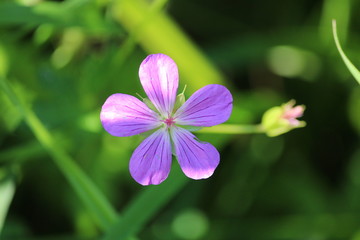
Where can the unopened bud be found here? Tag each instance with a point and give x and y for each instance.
(281, 119)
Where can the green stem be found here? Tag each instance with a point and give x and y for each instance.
(354, 71)
(91, 196)
(232, 129)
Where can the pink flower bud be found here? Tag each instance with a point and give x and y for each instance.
(291, 113)
(282, 119)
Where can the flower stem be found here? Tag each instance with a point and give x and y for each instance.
(232, 129)
(353, 70)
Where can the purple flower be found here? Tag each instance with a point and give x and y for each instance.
(124, 115)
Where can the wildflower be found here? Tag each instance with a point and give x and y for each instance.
(281, 119)
(124, 115)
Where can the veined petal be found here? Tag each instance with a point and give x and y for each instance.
(209, 106)
(197, 160)
(159, 77)
(151, 161)
(124, 115)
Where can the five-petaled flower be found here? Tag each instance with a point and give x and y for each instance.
(124, 115)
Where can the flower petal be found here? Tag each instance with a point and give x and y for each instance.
(151, 161)
(198, 160)
(209, 106)
(159, 77)
(124, 115)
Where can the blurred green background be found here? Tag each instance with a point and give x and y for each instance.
(60, 60)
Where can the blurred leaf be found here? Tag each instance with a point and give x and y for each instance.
(130, 43)
(7, 190)
(22, 152)
(354, 108)
(161, 34)
(146, 205)
(335, 9)
(11, 117)
(58, 14)
(354, 71)
(15, 13)
(91, 196)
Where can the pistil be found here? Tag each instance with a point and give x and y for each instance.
(169, 121)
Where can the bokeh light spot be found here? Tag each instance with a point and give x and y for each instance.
(90, 122)
(288, 61)
(43, 33)
(191, 224)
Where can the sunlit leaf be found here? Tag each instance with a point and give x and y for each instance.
(7, 190)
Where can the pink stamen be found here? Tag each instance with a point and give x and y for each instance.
(169, 122)
(291, 113)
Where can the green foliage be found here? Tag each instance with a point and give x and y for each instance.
(86, 190)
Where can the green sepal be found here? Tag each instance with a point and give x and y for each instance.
(150, 104)
(180, 100)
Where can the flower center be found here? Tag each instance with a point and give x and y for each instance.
(169, 121)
